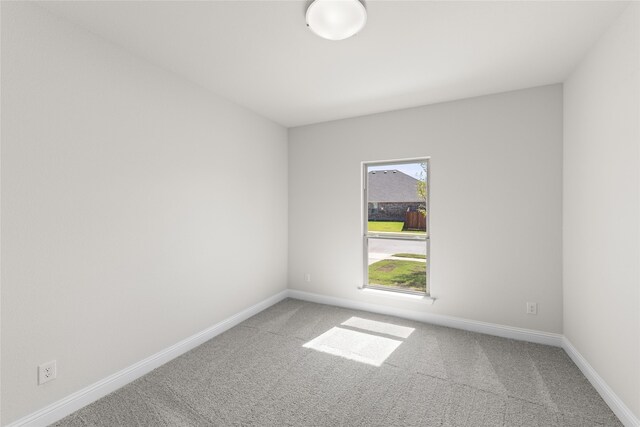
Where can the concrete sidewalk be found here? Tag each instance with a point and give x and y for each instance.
(380, 249)
(375, 257)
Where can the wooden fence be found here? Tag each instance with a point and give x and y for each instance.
(415, 221)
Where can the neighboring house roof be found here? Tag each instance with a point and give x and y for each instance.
(392, 186)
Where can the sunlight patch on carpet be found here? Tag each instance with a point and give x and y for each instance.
(354, 345)
(379, 327)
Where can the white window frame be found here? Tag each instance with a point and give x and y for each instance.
(366, 234)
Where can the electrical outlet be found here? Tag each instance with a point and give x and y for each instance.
(307, 277)
(47, 372)
(532, 308)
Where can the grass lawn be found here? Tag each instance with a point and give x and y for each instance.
(400, 274)
(390, 227)
(416, 256)
(395, 227)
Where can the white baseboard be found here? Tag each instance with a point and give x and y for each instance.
(87, 395)
(618, 407)
(436, 319)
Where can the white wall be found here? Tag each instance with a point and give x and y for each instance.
(602, 209)
(136, 208)
(496, 196)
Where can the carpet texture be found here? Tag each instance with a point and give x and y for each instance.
(261, 373)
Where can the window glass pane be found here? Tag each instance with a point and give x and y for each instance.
(396, 198)
(397, 218)
(399, 264)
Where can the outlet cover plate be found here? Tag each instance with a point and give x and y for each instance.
(47, 372)
(532, 308)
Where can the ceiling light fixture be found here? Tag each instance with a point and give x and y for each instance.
(336, 19)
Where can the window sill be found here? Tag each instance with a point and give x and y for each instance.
(397, 295)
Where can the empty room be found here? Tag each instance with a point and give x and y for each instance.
(320, 213)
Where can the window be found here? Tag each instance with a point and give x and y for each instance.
(396, 225)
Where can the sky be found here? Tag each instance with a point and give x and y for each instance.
(412, 169)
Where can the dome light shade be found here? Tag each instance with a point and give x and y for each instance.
(336, 19)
